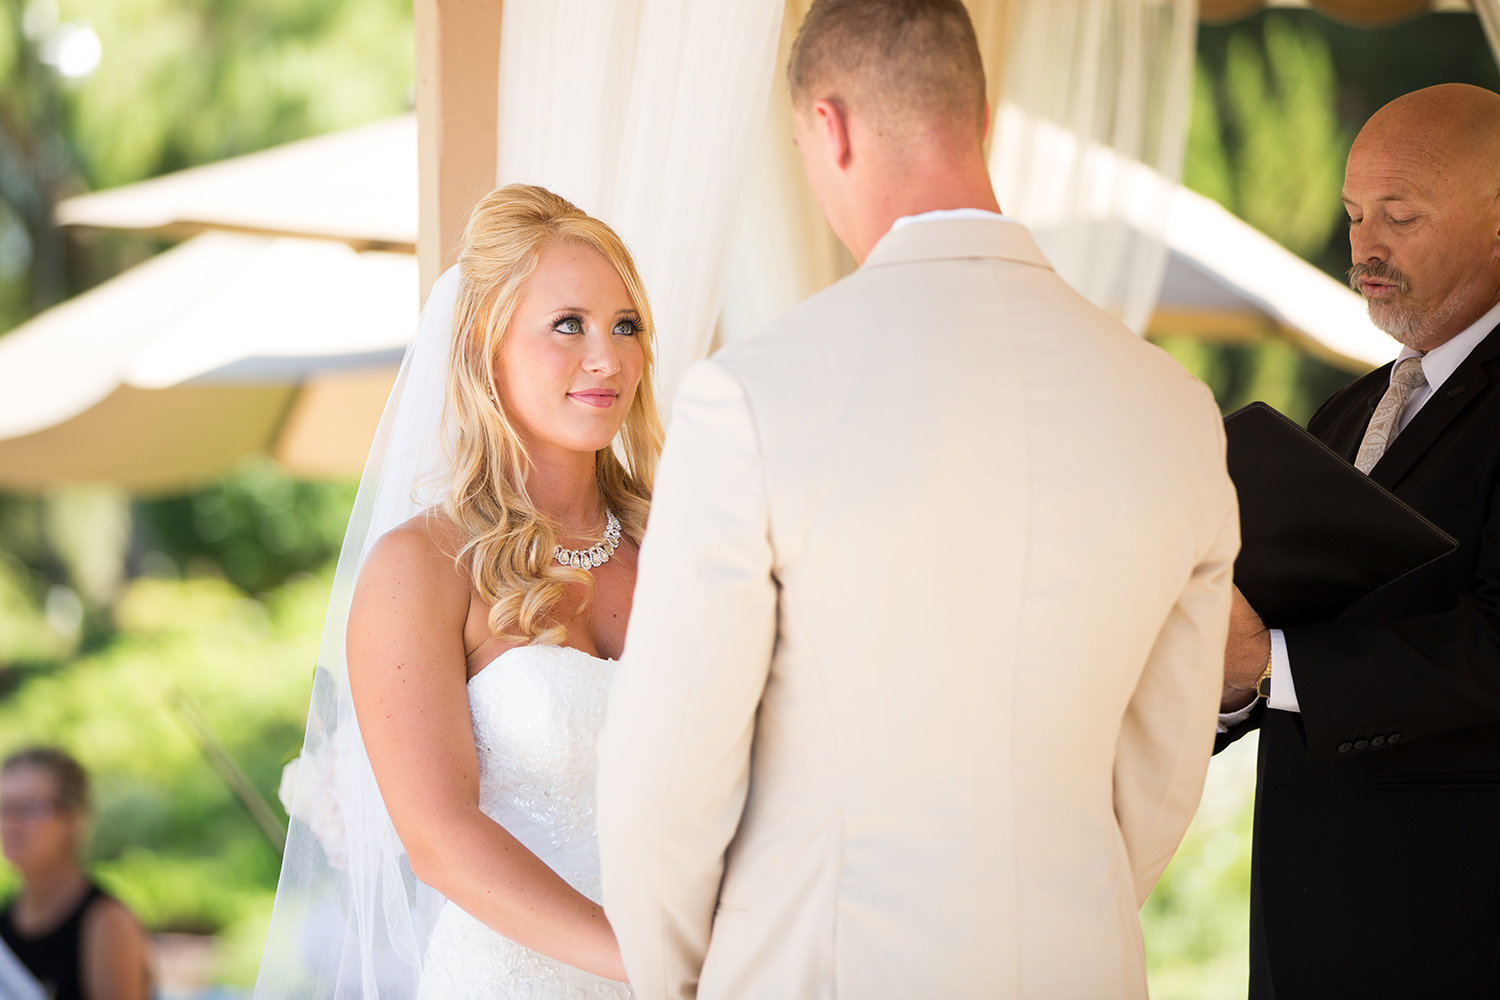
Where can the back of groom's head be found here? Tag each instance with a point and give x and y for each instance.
(889, 113)
(907, 64)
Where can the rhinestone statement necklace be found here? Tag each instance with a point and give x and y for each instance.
(597, 555)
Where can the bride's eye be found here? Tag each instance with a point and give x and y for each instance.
(568, 324)
(627, 328)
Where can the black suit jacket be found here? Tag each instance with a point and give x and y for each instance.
(1376, 865)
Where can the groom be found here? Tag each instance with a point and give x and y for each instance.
(923, 669)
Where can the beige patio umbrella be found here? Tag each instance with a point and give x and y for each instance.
(225, 346)
(356, 186)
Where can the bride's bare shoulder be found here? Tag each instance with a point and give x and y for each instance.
(410, 600)
(422, 552)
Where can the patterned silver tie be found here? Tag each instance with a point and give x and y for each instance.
(1407, 378)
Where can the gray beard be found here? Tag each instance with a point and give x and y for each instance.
(1411, 328)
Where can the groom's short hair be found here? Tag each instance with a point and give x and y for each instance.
(905, 61)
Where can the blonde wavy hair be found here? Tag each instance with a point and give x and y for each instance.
(510, 543)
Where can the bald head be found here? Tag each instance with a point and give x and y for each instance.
(1451, 131)
(1422, 189)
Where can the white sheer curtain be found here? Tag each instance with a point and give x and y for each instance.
(1489, 18)
(644, 113)
(1091, 90)
(1092, 100)
(783, 250)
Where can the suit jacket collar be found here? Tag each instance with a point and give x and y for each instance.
(1455, 395)
(951, 239)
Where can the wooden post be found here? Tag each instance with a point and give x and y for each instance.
(458, 81)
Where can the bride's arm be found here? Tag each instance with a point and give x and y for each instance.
(407, 676)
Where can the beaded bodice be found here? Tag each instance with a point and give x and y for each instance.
(536, 713)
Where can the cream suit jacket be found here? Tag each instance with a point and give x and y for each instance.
(922, 674)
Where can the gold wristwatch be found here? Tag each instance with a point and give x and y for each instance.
(1263, 686)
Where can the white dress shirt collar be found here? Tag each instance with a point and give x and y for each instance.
(1441, 361)
(943, 214)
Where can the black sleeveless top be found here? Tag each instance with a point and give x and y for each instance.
(52, 958)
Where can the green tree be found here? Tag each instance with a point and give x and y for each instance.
(176, 83)
(1288, 147)
(1265, 141)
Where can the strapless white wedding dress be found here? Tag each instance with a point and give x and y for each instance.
(536, 712)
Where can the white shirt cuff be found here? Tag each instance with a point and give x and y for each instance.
(1228, 720)
(1283, 691)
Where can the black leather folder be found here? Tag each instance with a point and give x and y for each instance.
(1316, 534)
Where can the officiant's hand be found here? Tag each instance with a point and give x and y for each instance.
(1245, 655)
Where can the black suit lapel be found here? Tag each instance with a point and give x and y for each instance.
(1348, 430)
(1456, 394)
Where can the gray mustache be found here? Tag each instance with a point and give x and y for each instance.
(1378, 272)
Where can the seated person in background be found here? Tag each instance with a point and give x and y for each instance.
(77, 940)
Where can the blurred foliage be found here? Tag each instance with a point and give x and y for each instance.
(257, 526)
(25, 634)
(1272, 370)
(1196, 922)
(67, 554)
(1265, 139)
(187, 81)
(168, 835)
(177, 83)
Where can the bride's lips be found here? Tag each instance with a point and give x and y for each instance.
(600, 398)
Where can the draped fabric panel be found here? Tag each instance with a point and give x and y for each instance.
(1489, 18)
(784, 251)
(1091, 91)
(644, 113)
(1092, 100)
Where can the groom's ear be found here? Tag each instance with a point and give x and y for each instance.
(832, 120)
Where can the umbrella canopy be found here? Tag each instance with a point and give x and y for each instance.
(1226, 277)
(224, 346)
(357, 186)
(1223, 276)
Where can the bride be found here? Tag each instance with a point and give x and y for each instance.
(496, 560)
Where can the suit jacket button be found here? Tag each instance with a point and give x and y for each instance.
(1394, 737)
(1378, 741)
(1345, 747)
(1361, 744)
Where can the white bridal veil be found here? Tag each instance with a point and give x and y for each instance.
(350, 918)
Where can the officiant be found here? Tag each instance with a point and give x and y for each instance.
(1376, 868)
